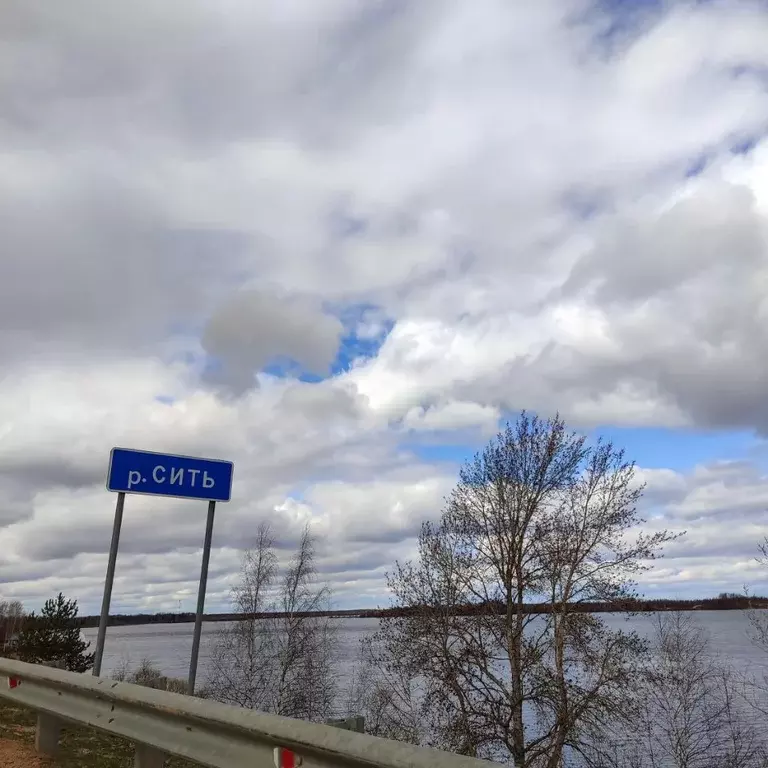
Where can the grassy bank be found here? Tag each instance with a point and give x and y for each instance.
(80, 747)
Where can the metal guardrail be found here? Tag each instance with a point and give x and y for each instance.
(208, 733)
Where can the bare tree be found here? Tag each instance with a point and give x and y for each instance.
(242, 660)
(305, 643)
(758, 617)
(537, 516)
(11, 621)
(756, 678)
(689, 710)
(279, 657)
(386, 694)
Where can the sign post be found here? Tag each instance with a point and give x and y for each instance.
(108, 583)
(160, 474)
(201, 598)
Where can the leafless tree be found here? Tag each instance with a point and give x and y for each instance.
(305, 643)
(756, 678)
(122, 670)
(541, 516)
(279, 657)
(758, 617)
(243, 655)
(11, 621)
(689, 709)
(387, 696)
(150, 676)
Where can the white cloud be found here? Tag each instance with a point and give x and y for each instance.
(453, 415)
(255, 328)
(494, 192)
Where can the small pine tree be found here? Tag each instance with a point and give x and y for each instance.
(54, 636)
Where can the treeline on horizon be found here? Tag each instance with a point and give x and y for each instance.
(724, 602)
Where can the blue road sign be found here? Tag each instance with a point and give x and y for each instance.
(160, 474)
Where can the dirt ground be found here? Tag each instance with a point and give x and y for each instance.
(80, 747)
(15, 754)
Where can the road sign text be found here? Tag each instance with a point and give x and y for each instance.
(159, 474)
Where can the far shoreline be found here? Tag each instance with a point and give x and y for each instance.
(722, 603)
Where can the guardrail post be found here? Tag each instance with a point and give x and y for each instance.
(356, 723)
(148, 757)
(47, 734)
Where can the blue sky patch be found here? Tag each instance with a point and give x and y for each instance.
(436, 453)
(649, 447)
(354, 346)
(679, 449)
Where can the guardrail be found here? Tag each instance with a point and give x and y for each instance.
(215, 735)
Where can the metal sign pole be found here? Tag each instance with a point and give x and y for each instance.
(101, 637)
(160, 474)
(201, 598)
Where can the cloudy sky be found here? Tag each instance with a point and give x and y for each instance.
(339, 242)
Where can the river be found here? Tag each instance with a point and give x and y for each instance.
(169, 646)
